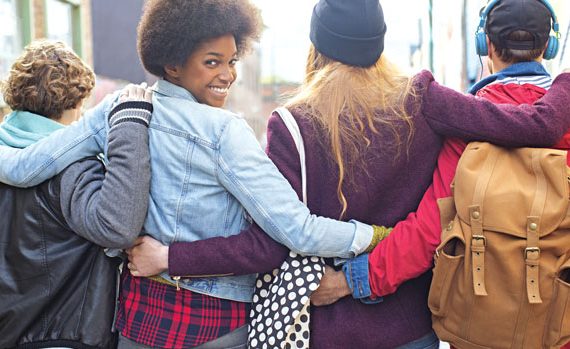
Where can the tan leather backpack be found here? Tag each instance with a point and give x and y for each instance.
(502, 271)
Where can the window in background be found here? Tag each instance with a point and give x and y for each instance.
(10, 35)
(15, 32)
(63, 22)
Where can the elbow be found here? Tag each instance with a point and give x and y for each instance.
(309, 247)
(118, 233)
(121, 239)
(10, 175)
(129, 231)
(302, 245)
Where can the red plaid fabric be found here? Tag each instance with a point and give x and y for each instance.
(156, 315)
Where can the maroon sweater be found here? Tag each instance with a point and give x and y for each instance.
(392, 189)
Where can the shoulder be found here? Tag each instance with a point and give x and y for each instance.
(423, 84)
(422, 81)
(281, 145)
(277, 131)
(512, 93)
(177, 107)
(275, 123)
(217, 114)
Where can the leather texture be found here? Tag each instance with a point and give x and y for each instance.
(502, 272)
(57, 289)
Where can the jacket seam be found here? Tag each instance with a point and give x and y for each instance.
(182, 134)
(184, 192)
(45, 261)
(61, 152)
(85, 284)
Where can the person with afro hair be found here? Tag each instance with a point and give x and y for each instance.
(193, 46)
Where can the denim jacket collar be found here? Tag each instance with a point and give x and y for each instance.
(169, 89)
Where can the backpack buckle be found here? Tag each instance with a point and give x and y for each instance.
(531, 250)
(478, 238)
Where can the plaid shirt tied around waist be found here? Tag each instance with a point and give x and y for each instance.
(157, 315)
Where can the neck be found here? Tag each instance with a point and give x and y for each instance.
(69, 116)
(497, 65)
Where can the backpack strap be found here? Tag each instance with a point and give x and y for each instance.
(293, 128)
(478, 241)
(532, 250)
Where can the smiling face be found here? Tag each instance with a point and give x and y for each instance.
(209, 71)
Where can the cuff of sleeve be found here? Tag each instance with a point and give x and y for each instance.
(356, 273)
(339, 261)
(363, 235)
(133, 111)
(174, 254)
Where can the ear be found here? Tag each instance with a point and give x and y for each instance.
(172, 70)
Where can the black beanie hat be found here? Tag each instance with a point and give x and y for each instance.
(349, 31)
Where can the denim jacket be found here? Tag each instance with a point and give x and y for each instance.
(209, 174)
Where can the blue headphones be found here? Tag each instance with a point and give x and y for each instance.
(481, 36)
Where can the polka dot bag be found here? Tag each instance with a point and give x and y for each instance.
(280, 312)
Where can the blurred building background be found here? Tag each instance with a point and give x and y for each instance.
(447, 44)
(422, 34)
(103, 33)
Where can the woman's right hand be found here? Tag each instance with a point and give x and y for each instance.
(133, 92)
(147, 257)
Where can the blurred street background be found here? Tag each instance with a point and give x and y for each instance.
(422, 34)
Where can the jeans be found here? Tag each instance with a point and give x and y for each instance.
(429, 341)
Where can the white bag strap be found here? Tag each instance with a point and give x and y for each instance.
(293, 128)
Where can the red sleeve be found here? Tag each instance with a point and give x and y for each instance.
(408, 251)
(250, 251)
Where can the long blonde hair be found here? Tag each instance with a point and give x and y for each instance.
(345, 100)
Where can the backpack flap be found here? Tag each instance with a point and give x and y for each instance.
(520, 185)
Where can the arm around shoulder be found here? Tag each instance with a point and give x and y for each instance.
(109, 209)
(46, 158)
(454, 114)
(247, 173)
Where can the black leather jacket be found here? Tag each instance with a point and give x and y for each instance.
(56, 288)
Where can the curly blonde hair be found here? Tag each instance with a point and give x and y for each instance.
(47, 79)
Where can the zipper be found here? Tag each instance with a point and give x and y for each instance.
(177, 282)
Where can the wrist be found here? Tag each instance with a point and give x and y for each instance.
(356, 276)
(343, 289)
(164, 258)
(380, 233)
